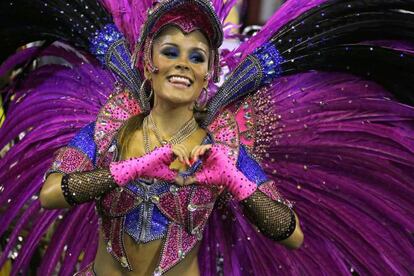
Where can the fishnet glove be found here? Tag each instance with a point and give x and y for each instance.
(82, 187)
(274, 219)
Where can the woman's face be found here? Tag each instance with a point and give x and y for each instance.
(182, 60)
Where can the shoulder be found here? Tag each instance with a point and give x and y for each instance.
(84, 141)
(248, 165)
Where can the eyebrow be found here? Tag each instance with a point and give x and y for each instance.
(175, 45)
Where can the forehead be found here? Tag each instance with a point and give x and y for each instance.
(172, 34)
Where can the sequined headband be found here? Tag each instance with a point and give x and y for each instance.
(187, 15)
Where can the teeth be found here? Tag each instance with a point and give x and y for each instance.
(178, 79)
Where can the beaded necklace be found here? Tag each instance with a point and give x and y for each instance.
(182, 134)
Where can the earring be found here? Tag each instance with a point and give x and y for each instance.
(142, 93)
(203, 99)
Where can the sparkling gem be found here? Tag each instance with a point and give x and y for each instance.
(249, 124)
(173, 189)
(124, 262)
(155, 199)
(158, 271)
(191, 207)
(247, 115)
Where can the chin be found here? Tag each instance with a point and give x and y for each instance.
(177, 100)
(177, 96)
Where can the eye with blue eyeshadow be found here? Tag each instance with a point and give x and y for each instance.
(170, 52)
(197, 57)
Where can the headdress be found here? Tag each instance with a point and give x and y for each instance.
(188, 16)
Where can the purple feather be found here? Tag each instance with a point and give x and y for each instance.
(49, 107)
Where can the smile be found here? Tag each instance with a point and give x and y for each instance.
(180, 80)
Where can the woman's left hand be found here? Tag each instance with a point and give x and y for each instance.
(195, 155)
(219, 170)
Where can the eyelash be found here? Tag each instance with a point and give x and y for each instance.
(173, 53)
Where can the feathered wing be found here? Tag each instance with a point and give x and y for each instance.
(331, 121)
(48, 107)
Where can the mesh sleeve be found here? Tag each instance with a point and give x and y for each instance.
(80, 187)
(275, 219)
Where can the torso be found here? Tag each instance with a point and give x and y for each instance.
(144, 256)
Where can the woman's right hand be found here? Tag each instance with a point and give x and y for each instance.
(153, 165)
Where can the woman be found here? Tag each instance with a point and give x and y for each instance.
(317, 97)
(183, 60)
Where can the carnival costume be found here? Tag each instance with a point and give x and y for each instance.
(318, 103)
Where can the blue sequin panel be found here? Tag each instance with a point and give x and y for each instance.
(159, 222)
(124, 55)
(250, 168)
(243, 80)
(270, 60)
(102, 40)
(84, 141)
(146, 223)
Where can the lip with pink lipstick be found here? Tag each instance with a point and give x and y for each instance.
(180, 81)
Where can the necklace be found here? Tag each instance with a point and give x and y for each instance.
(183, 133)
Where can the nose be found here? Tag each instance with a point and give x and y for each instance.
(182, 64)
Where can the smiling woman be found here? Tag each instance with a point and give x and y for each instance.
(169, 164)
(316, 105)
(183, 63)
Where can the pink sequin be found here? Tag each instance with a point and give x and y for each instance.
(175, 205)
(178, 244)
(113, 114)
(69, 160)
(225, 131)
(271, 190)
(245, 120)
(116, 203)
(169, 255)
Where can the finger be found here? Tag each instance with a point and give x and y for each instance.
(181, 152)
(197, 153)
(190, 180)
(202, 150)
(181, 155)
(179, 180)
(194, 151)
(186, 154)
(205, 149)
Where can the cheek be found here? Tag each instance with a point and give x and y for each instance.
(163, 63)
(201, 71)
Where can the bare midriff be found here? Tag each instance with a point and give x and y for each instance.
(144, 257)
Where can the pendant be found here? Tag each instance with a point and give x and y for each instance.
(164, 142)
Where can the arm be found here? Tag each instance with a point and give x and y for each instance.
(265, 208)
(295, 240)
(60, 191)
(63, 191)
(78, 155)
(274, 218)
(51, 196)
